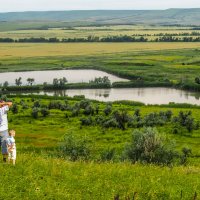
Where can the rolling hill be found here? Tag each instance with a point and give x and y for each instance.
(158, 17)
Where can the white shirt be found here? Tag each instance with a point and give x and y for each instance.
(11, 142)
(3, 118)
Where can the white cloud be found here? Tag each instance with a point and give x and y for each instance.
(23, 5)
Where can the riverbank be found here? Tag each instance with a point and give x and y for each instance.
(125, 84)
(146, 66)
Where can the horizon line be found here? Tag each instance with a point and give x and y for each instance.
(23, 11)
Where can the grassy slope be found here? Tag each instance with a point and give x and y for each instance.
(36, 177)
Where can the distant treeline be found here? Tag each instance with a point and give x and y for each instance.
(124, 38)
(166, 34)
(178, 34)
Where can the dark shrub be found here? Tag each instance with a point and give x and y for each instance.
(36, 104)
(84, 103)
(97, 109)
(35, 112)
(75, 110)
(45, 112)
(74, 148)
(86, 121)
(108, 155)
(186, 153)
(89, 110)
(186, 120)
(197, 80)
(15, 108)
(55, 105)
(168, 114)
(137, 112)
(110, 123)
(24, 105)
(100, 119)
(108, 109)
(121, 118)
(147, 146)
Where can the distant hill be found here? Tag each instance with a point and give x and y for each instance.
(160, 17)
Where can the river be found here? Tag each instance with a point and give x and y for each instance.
(145, 95)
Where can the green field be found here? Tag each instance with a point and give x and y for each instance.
(36, 177)
(41, 174)
(167, 63)
(22, 51)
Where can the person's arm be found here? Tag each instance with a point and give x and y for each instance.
(9, 144)
(9, 104)
(3, 104)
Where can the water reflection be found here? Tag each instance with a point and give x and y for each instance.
(145, 95)
(72, 76)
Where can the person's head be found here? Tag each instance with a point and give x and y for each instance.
(1, 103)
(12, 133)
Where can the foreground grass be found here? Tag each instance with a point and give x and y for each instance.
(37, 177)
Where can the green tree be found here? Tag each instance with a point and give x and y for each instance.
(197, 80)
(18, 81)
(30, 81)
(5, 84)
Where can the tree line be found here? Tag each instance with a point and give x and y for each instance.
(121, 38)
(57, 83)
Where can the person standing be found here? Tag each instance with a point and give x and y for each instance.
(11, 146)
(4, 107)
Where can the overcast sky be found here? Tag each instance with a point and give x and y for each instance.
(32, 5)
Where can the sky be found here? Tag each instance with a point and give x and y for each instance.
(43, 5)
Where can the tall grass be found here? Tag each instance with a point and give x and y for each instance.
(37, 177)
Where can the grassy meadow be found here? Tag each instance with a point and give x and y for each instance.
(49, 131)
(41, 174)
(36, 177)
(174, 63)
(24, 50)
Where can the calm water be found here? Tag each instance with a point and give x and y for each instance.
(73, 76)
(145, 95)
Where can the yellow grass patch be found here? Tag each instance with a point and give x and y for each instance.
(72, 49)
